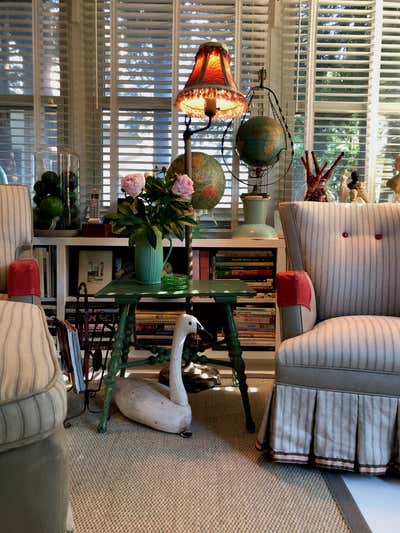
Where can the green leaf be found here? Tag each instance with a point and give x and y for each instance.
(125, 209)
(151, 236)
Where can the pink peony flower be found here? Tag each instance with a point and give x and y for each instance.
(133, 183)
(183, 187)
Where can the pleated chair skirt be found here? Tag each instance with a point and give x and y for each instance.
(331, 429)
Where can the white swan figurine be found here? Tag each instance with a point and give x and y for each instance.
(154, 404)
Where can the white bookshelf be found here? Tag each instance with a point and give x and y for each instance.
(63, 246)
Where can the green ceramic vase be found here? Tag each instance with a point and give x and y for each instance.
(149, 262)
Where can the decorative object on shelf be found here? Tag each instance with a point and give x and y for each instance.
(317, 190)
(255, 216)
(93, 209)
(95, 269)
(56, 190)
(260, 143)
(211, 93)
(154, 404)
(155, 206)
(96, 230)
(344, 190)
(394, 183)
(358, 194)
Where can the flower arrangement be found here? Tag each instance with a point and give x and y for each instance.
(154, 202)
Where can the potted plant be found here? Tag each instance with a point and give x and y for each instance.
(155, 206)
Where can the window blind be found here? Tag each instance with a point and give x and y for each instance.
(34, 89)
(341, 64)
(145, 53)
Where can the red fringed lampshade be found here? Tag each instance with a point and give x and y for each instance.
(211, 89)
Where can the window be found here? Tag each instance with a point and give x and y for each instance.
(34, 90)
(146, 55)
(100, 77)
(341, 83)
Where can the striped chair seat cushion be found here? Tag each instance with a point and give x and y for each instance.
(351, 353)
(32, 392)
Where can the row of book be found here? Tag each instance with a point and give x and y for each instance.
(155, 326)
(255, 323)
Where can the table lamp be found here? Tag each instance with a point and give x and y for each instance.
(210, 92)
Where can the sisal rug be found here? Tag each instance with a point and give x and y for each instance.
(135, 479)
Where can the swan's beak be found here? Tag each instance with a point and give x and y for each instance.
(201, 330)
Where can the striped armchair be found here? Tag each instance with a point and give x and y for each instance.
(19, 272)
(33, 403)
(335, 402)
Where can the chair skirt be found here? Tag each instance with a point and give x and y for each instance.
(332, 429)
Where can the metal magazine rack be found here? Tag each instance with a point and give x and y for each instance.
(85, 343)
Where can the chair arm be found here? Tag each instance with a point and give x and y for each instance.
(23, 279)
(296, 302)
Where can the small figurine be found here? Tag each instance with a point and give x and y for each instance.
(344, 192)
(357, 189)
(394, 183)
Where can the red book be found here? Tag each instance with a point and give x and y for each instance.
(204, 263)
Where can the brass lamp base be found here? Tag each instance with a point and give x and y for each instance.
(195, 377)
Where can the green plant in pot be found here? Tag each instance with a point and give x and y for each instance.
(155, 207)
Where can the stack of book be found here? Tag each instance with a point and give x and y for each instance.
(155, 326)
(255, 267)
(255, 325)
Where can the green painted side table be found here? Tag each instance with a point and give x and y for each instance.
(129, 293)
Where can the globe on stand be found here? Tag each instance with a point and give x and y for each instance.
(259, 143)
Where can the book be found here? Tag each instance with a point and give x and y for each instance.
(204, 264)
(70, 352)
(246, 253)
(244, 272)
(243, 264)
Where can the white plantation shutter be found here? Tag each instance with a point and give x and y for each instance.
(134, 88)
(388, 120)
(34, 89)
(153, 46)
(342, 63)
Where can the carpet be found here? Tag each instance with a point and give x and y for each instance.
(135, 479)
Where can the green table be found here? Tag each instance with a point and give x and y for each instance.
(129, 293)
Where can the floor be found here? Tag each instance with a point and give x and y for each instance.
(378, 499)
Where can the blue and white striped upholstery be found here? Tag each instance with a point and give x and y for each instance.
(32, 393)
(360, 342)
(15, 226)
(336, 400)
(351, 253)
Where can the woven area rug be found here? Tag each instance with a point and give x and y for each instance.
(135, 479)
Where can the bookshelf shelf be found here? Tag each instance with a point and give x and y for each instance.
(65, 250)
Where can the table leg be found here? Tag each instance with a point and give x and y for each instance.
(113, 366)
(235, 355)
(129, 328)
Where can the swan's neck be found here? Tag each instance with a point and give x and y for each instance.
(177, 390)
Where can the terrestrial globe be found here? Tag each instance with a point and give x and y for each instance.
(208, 179)
(260, 141)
